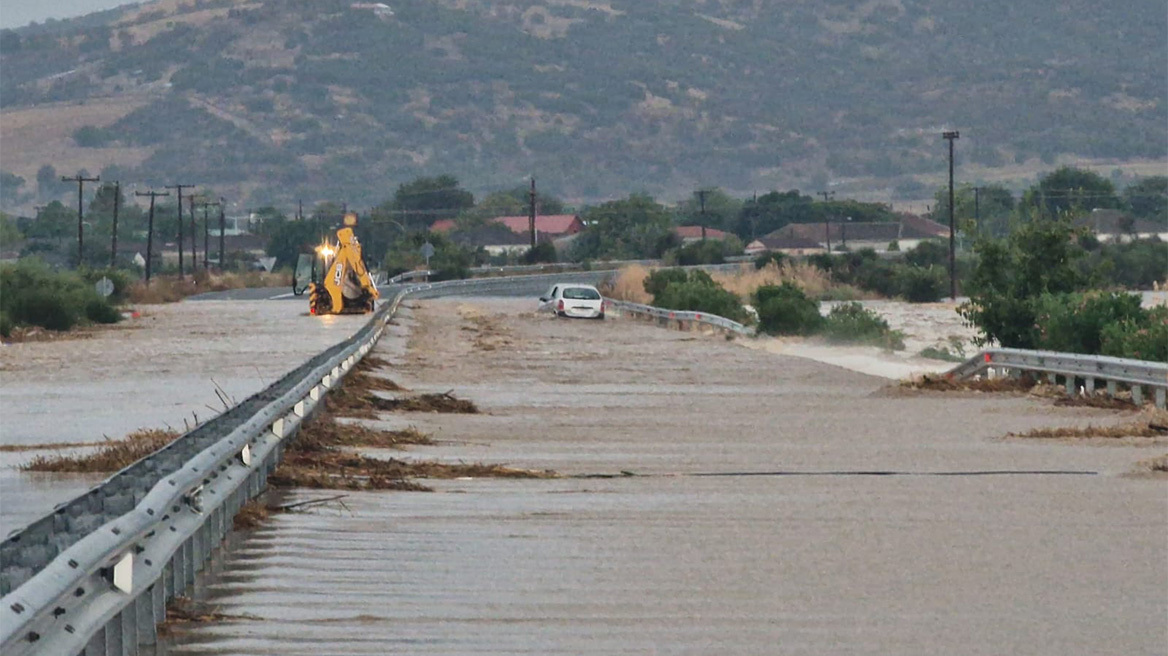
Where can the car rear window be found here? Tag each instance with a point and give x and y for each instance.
(581, 294)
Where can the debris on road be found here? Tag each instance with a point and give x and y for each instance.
(112, 456)
(1153, 424)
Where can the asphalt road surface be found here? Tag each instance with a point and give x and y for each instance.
(818, 560)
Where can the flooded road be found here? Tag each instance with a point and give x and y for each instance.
(666, 561)
(161, 370)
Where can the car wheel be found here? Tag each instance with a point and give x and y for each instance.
(600, 316)
(561, 315)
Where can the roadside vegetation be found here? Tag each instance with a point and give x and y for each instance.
(1032, 290)
(32, 294)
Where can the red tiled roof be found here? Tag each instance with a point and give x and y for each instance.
(548, 224)
(918, 227)
(551, 224)
(695, 232)
(442, 225)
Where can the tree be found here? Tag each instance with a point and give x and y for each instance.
(722, 211)
(423, 201)
(9, 233)
(1011, 275)
(992, 205)
(1148, 199)
(10, 184)
(49, 184)
(289, 239)
(1069, 190)
(634, 227)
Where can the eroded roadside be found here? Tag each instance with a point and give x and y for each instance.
(815, 560)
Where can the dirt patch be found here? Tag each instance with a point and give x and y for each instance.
(112, 456)
(184, 611)
(252, 514)
(1153, 424)
(444, 403)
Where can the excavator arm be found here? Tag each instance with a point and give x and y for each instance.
(345, 286)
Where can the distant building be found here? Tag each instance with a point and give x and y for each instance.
(547, 226)
(785, 245)
(690, 234)
(379, 9)
(1118, 227)
(909, 231)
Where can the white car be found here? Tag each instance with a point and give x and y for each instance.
(573, 300)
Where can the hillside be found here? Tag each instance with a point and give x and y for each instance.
(272, 100)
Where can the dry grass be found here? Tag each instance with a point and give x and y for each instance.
(1157, 464)
(327, 432)
(50, 446)
(746, 280)
(111, 457)
(629, 285)
(184, 610)
(1153, 424)
(252, 514)
(171, 289)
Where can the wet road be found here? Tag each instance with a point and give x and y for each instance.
(674, 563)
(162, 370)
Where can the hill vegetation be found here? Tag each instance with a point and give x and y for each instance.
(344, 100)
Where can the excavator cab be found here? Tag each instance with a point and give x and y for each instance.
(335, 276)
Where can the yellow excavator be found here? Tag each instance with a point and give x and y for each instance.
(337, 280)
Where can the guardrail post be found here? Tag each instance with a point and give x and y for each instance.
(96, 645)
(1160, 400)
(1137, 395)
(1070, 385)
(1052, 378)
(1111, 388)
(1090, 385)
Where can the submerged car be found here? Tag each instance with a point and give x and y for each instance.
(573, 300)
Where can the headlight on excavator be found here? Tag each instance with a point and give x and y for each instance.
(325, 250)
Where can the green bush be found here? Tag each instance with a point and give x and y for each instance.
(1145, 339)
(543, 252)
(693, 291)
(852, 323)
(657, 281)
(32, 294)
(785, 310)
(766, 258)
(120, 278)
(1074, 323)
(6, 324)
(709, 251)
(918, 284)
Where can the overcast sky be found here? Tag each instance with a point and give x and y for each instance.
(18, 13)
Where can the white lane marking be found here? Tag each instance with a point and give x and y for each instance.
(288, 295)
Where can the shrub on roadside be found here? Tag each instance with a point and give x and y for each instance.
(1074, 323)
(693, 291)
(785, 310)
(543, 252)
(852, 323)
(657, 281)
(917, 284)
(121, 279)
(32, 294)
(1141, 340)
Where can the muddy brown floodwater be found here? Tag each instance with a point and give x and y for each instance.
(161, 370)
(669, 562)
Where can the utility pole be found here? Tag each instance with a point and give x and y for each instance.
(150, 227)
(531, 212)
(222, 228)
(179, 188)
(80, 180)
(702, 199)
(194, 237)
(827, 195)
(300, 210)
(114, 237)
(951, 136)
(207, 233)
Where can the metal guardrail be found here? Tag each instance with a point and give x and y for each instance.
(1072, 368)
(682, 318)
(94, 576)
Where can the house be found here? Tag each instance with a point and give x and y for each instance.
(785, 245)
(494, 238)
(550, 226)
(853, 235)
(1118, 227)
(692, 233)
